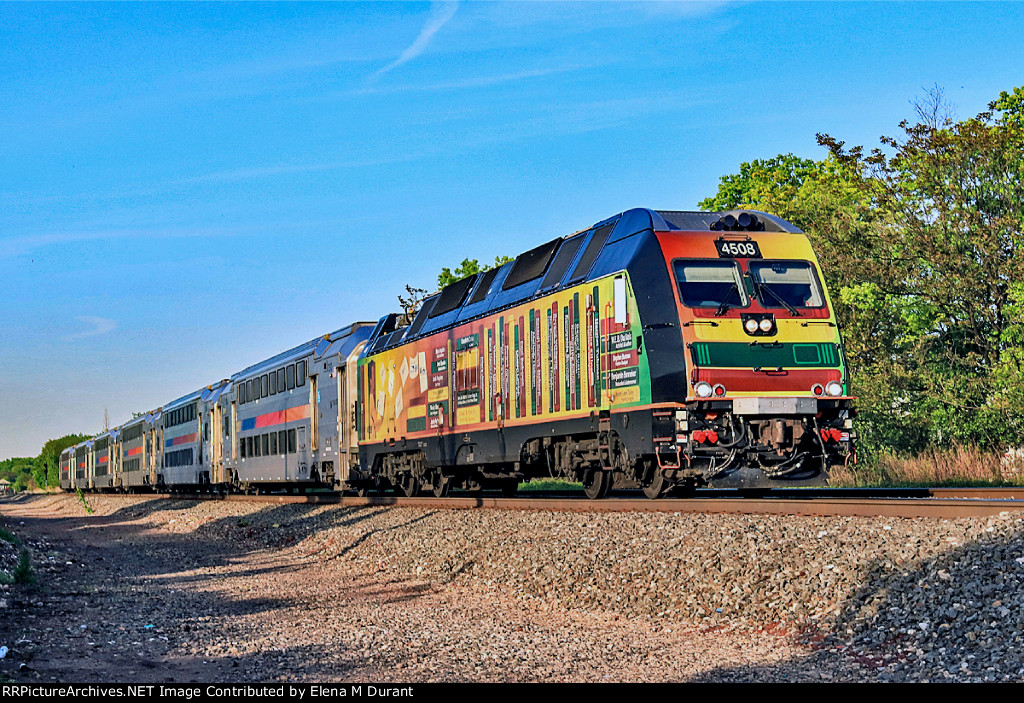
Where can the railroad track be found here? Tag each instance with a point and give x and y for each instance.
(943, 503)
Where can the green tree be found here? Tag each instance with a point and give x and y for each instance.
(825, 198)
(954, 193)
(772, 185)
(17, 471)
(467, 268)
(414, 297)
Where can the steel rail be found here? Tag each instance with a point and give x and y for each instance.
(941, 508)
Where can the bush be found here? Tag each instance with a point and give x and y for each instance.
(23, 572)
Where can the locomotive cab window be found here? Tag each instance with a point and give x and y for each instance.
(787, 284)
(709, 283)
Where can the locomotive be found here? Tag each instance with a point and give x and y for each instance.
(659, 350)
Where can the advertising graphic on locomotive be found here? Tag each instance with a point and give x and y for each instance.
(656, 350)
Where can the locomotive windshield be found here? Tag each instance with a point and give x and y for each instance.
(787, 284)
(710, 284)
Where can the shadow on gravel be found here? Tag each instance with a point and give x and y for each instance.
(153, 505)
(955, 617)
(285, 525)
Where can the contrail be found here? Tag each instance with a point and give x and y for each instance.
(440, 13)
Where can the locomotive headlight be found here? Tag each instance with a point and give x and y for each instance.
(750, 325)
(703, 389)
(766, 325)
(833, 388)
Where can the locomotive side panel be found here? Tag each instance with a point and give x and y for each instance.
(474, 394)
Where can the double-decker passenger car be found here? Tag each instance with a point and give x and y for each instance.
(291, 414)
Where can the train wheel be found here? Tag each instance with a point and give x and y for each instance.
(597, 483)
(441, 484)
(658, 486)
(410, 486)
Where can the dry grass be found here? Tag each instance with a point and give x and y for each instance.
(956, 466)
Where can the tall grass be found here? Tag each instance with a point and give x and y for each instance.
(955, 466)
(23, 572)
(83, 500)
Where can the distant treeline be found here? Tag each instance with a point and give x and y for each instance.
(27, 473)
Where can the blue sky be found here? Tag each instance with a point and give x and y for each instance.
(186, 189)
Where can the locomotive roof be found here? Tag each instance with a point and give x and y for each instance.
(606, 247)
(701, 221)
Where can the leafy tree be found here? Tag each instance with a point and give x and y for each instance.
(771, 185)
(919, 243)
(411, 301)
(954, 193)
(17, 472)
(467, 268)
(414, 297)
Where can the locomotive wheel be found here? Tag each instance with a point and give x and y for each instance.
(441, 485)
(658, 486)
(410, 486)
(597, 483)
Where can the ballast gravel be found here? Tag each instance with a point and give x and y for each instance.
(232, 591)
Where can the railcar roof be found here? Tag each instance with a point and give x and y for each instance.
(134, 421)
(194, 395)
(298, 352)
(212, 393)
(344, 340)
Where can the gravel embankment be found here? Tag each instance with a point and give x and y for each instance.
(508, 595)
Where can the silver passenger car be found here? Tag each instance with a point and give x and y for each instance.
(284, 414)
(182, 460)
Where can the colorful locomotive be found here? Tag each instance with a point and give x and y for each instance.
(655, 349)
(652, 350)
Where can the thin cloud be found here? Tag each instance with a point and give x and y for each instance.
(440, 13)
(245, 173)
(17, 246)
(475, 82)
(99, 325)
